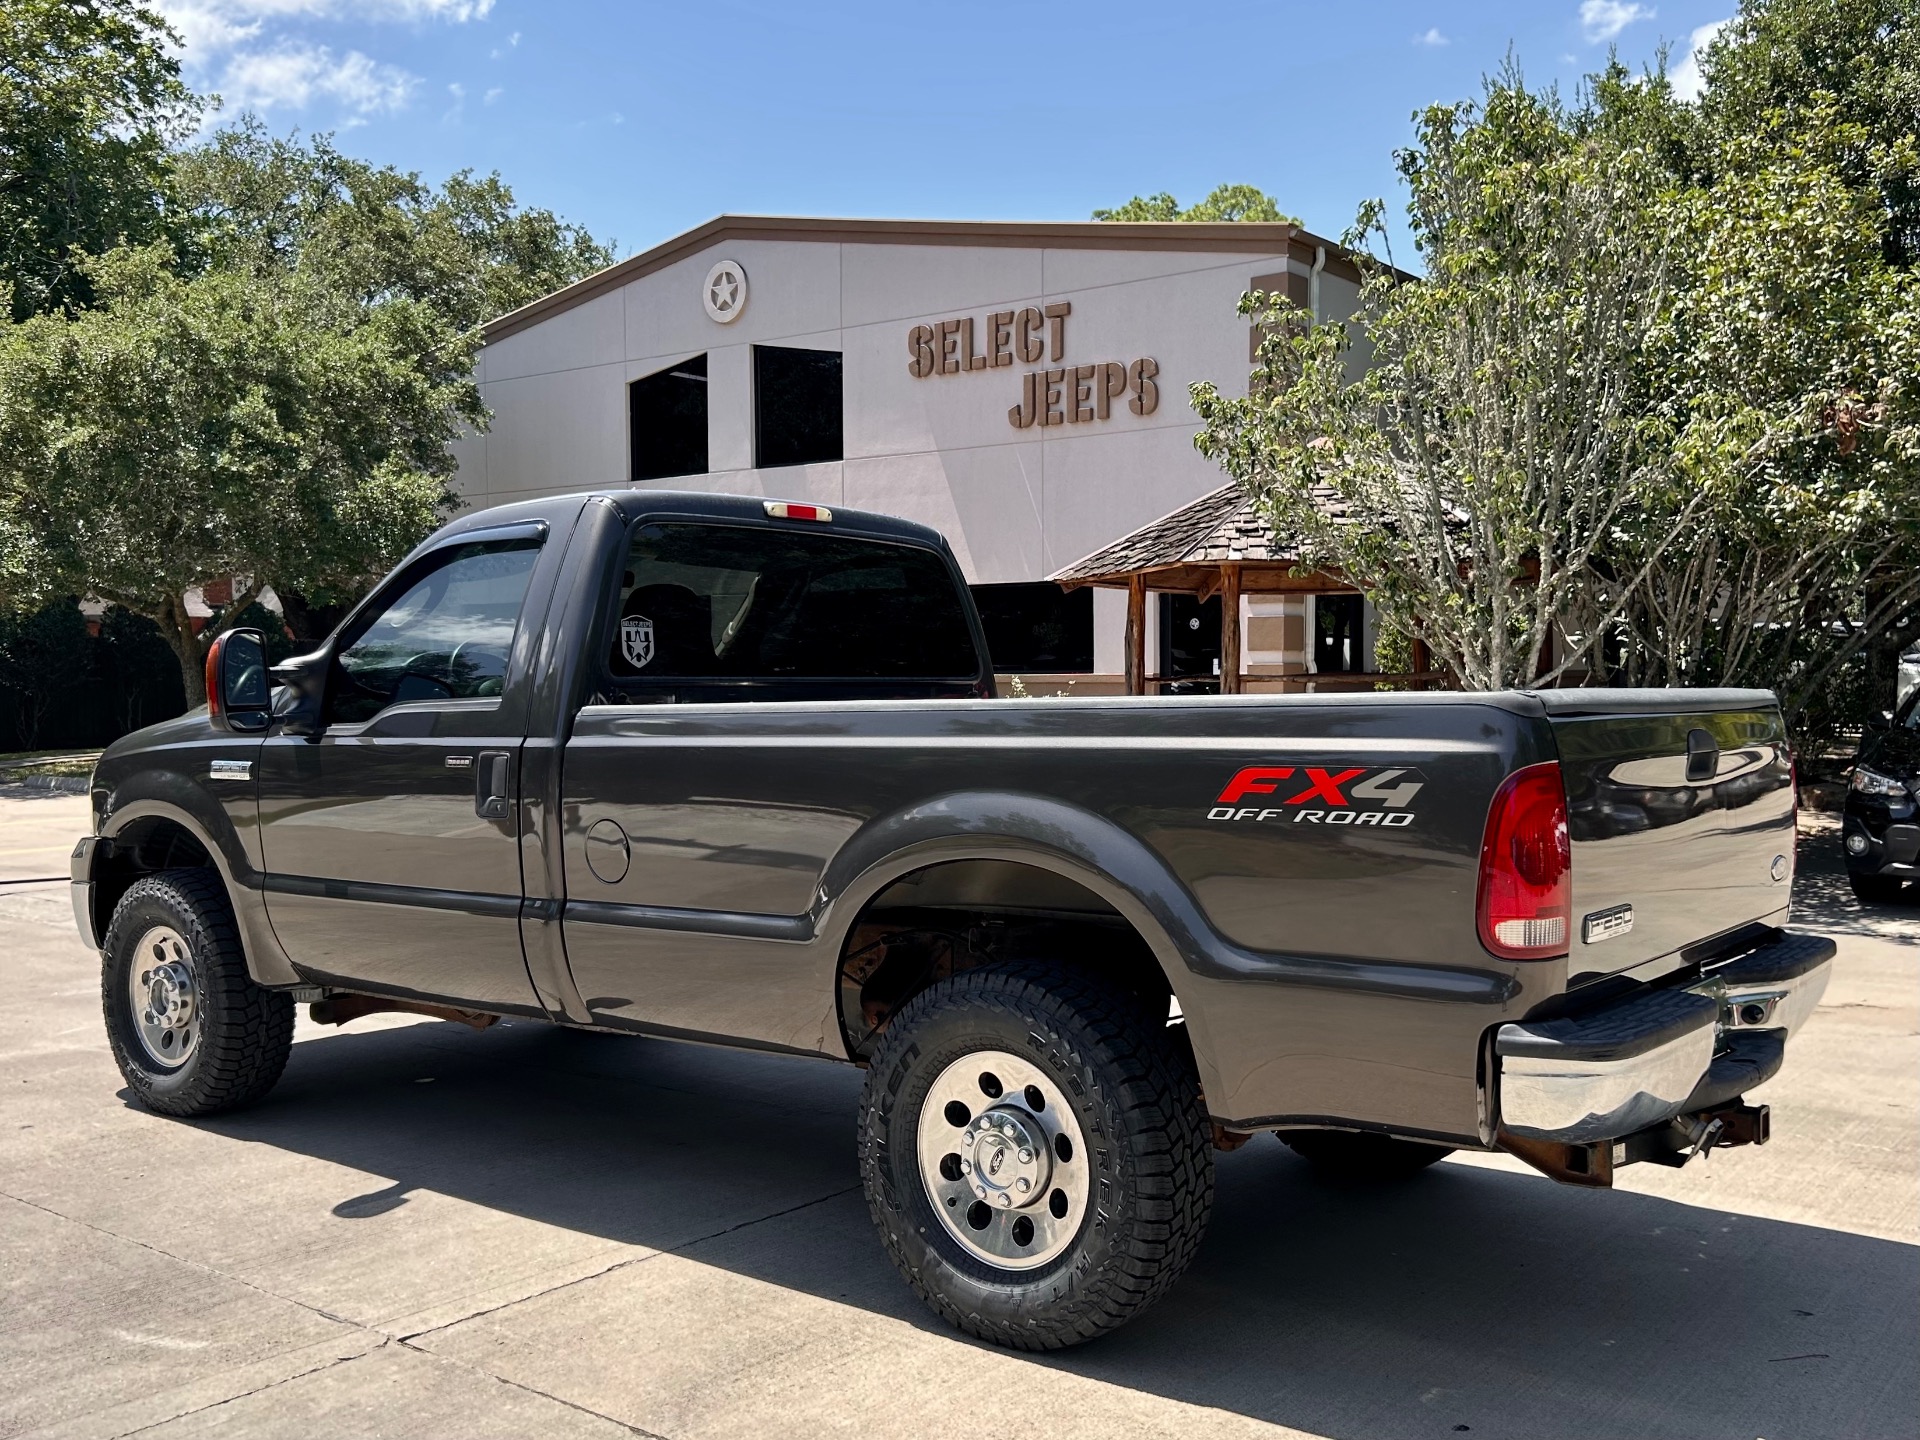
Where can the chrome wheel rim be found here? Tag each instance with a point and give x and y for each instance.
(1003, 1160)
(162, 997)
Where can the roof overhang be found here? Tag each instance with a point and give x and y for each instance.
(1248, 237)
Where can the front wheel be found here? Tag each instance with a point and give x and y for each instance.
(191, 1032)
(1035, 1154)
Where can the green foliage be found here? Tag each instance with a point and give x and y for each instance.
(221, 424)
(1227, 202)
(1472, 474)
(90, 99)
(270, 394)
(1660, 389)
(1798, 66)
(43, 655)
(368, 234)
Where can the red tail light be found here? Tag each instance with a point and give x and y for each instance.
(1526, 867)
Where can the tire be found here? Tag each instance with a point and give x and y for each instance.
(1084, 1063)
(1361, 1158)
(234, 1035)
(1876, 889)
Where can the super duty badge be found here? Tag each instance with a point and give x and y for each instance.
(1322, 795)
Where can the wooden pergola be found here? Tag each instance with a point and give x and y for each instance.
(1216, 545)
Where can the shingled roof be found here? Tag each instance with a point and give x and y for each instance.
(1184, 550)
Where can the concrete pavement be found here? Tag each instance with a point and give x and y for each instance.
(426, 1231)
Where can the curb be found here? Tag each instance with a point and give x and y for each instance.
(60, 784)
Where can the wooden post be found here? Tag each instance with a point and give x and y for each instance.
(1230, 629)
(1136, 635)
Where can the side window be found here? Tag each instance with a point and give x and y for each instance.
(728, 602)
(445, 637)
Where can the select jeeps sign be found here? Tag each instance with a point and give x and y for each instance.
(1321, 795)
(1067, 395)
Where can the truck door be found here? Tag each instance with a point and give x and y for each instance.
(390, 838)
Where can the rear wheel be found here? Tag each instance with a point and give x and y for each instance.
(1035, 1155)
(1875, 889)
(191, 1032)
(1362, 1158)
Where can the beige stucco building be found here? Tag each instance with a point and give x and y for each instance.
(1022, 387)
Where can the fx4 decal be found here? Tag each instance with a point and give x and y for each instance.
(1321, 795)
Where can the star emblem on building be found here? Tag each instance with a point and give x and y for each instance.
(725, 290)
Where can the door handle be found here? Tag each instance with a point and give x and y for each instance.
(493, 784)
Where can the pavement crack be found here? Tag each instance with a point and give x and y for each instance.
(618, 1265)
(192, 1264)
(256, 1390)
(575, 1405)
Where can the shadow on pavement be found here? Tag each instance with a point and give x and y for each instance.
(1470, 1301)
(1823, 901)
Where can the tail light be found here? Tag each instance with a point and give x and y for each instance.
(1526, 867)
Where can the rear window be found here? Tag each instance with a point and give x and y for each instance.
(706, 602)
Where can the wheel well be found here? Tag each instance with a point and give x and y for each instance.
(962, 914)
(142, 848)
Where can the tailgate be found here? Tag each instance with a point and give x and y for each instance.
(1680, 806)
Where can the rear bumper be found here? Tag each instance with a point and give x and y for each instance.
(1643, 1060)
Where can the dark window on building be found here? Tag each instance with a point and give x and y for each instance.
(1037, 627)
(1190, 639)
(796, 406)
(667, 421)
(1339, 634)
(725, 602)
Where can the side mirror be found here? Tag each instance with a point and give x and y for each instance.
(238, 697)
(300, 706)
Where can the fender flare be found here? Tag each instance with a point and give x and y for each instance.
(1127, 874)
(267, 963)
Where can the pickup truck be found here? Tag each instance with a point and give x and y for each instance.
(734, 770)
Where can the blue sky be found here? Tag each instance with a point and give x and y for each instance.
(641, 120)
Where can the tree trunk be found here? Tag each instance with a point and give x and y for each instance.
(176, 625)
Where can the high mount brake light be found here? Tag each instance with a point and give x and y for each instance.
(1526, 867)
(788, 510)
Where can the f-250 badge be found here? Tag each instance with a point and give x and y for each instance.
(1321, 795)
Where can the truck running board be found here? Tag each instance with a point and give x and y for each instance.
(1673, 1143)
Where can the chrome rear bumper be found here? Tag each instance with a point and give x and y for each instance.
(1643, 1060)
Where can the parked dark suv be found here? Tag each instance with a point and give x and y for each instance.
(1883, 806)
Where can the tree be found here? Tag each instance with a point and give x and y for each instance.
(1472, 477)
(1793, 66)
(43, 655)
(369, 233)
(90, 100)
(271, 399)
(1227, 202)
(187, 428)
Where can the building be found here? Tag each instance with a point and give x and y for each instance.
(1022, 387)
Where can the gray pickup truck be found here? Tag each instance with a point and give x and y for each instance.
(732, 770)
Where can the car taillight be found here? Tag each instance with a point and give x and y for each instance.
(1526, 867)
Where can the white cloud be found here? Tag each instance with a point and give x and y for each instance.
(1686, 78)
(1432, 37)
(1604, 19)
(492, 95)
(291, 75)
(242, 49)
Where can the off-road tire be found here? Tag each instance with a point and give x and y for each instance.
(1362, 1159)
(1876, 889)
(1132, 1086)
(246, 1030)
